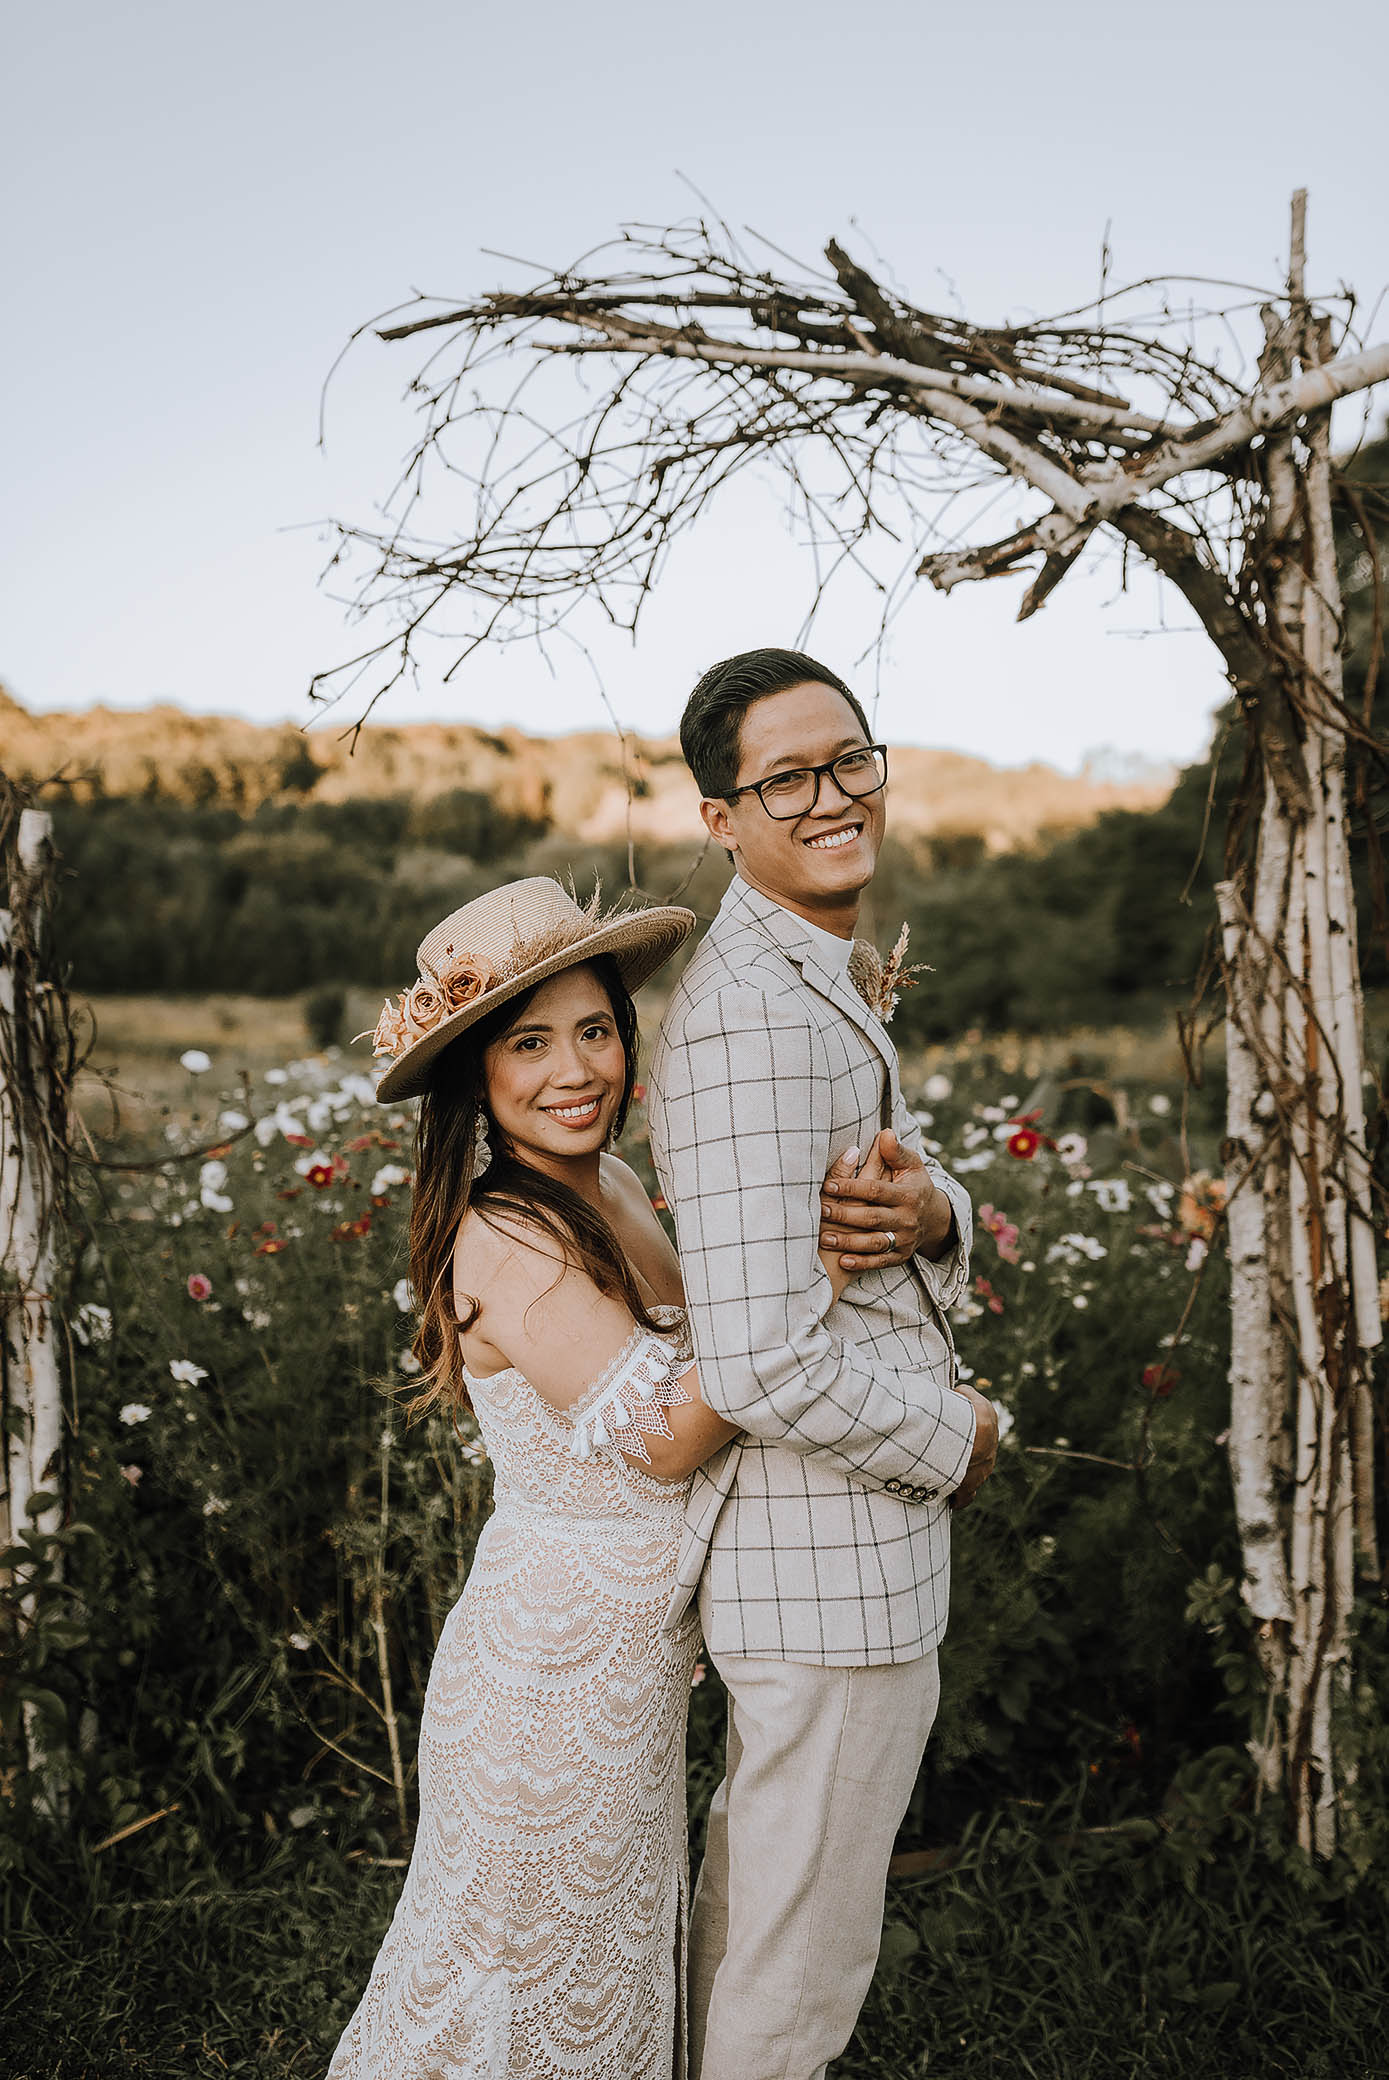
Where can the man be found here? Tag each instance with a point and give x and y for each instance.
(818, 1542)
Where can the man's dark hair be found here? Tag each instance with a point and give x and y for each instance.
(711, 726)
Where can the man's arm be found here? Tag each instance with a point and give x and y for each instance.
(741, 1132)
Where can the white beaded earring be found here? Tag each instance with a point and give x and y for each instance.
(482, 1147)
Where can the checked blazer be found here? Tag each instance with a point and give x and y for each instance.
(824, 1528)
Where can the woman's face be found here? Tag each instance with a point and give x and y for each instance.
(555, 1078)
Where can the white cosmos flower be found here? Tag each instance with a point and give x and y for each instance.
(300, 1642)
(136, 1412)
(936, 1089)
(409, 1364)
(195, 1061)
(1072, 1148)
(185, 1372)
(215, 1202)
(1068, 1249)
(1005, 1420)
(1160, 1103)
(389, 1175)
(277, 1076)
(213, 1176)
(403, 1294)
(214, 1506)
(92, 1324)
(1113, 1193)
(232, 1122)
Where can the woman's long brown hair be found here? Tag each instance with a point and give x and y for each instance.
(445, 1188)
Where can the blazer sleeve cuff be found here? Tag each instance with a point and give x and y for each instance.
(948, 1276)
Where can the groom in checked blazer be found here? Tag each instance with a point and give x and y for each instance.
(818, 1543)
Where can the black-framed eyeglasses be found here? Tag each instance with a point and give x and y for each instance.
(785, 796)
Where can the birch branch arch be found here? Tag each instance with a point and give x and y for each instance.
(591, 418)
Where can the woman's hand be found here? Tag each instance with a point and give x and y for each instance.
(847, 1167)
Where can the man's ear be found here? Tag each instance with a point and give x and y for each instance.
(718, 822)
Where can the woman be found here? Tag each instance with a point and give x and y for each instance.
(541, 1928)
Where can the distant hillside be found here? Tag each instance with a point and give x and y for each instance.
(573, 785)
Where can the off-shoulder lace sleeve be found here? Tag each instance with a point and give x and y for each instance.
(632, 1395)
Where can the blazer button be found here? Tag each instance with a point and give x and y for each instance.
(929, 1494)
(893, 1487)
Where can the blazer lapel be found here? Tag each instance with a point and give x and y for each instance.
(748, 906)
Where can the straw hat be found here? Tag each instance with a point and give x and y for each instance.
(496, 947)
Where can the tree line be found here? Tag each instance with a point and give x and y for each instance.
(166, 895)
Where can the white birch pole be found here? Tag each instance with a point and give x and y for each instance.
(32, 1164)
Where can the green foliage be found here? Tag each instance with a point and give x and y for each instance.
(324, 1012)
(253, 1519)
(1063, 1953)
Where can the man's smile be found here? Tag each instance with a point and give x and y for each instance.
(830, 841)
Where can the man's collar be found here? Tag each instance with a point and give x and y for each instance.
(745, 902)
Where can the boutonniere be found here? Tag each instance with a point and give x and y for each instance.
(880, 982)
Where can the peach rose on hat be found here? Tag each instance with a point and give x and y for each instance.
(463, 980)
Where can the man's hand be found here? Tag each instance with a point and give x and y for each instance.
(981, 1459)
(888, 1212)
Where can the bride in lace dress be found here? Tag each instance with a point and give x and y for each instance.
(541, 1928)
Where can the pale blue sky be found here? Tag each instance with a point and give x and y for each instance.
(205, 201)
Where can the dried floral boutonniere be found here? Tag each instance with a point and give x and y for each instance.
(881, 982)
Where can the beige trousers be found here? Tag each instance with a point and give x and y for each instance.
(788, 1912)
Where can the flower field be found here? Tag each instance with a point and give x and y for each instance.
(230, 1665)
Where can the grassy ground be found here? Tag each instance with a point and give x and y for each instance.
(1013, 1967)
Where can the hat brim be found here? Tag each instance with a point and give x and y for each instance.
(639, 943)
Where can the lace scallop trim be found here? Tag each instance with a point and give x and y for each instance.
(629, 1398)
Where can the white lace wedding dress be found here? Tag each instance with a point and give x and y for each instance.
(541, 1929)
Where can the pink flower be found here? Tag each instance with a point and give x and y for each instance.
(199, 1286)
(133, 1474)
(1004, 1232)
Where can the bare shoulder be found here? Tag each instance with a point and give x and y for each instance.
(503, 1249)
(621, 1180)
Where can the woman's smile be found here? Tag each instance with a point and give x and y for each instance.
(571, 1114)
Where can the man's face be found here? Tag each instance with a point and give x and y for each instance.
(820, 862)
